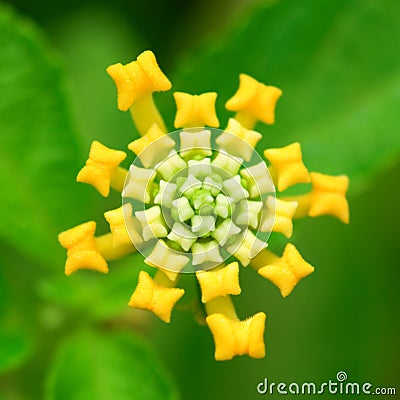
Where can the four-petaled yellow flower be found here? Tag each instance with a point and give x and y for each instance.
(195, 110)
(221, 281)
(287, 271)
(102, 168)
(189, 206)
(233, 337)
(254, 102)
(154, 297)
(287, 166)
(82, 249)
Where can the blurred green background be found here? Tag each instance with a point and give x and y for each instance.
(338, 64)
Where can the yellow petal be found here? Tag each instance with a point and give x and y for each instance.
(195, 143)
(117, 224)
(153, 225)
(277, 216)
(249, 136)
(246, 247)
(152, 147)
(138, 145)
(100, 166)
(328, 196)
(82, 251)
(218, 282)
(232, 140)
(195, 110)
(233, 337)
(149, 295)
(258, 179)
(288, 165)
(255, 99)
(167, 259)
(137, 79)
(139, 184)
(286, 271)
(171, 165)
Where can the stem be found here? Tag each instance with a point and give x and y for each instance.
(245, 119)
(145, 113)
(222, 305)
(304, 204)
(264, 257)
(105, 246)
(274, 174)
(162, 279)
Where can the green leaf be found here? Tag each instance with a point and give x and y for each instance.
(91, 39)
(15, 347)
(338, 65)
(107, 367)
(38, 150)
(16, 336)
(95, 296)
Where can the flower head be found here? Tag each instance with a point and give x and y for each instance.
(201, 200)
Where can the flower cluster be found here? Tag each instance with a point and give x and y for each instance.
(201, 200)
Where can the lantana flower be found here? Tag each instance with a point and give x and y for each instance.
(201, 200)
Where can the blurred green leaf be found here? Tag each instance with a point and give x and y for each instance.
(107, 367)
(338, 65)
(16, 339)
(15, 347)
(91, 39)
(95, 295)
(38, 149)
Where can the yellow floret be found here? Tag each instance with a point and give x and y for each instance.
(246, 248)
(233, 337)
(137, 79)
(139, 184)
(100, 167)
(328, 196)
(195, 110)
(286, 271)
(167, 259)
(153, 225)
(254, 101)
(250, 137)
(218, 282)
(117, 224)
(151, 296)
(138, 145)
(287, 165)
(277, 217)
(159, 149)
(82, 251)
(232, 140)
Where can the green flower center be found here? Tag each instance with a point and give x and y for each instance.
(202, 202)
